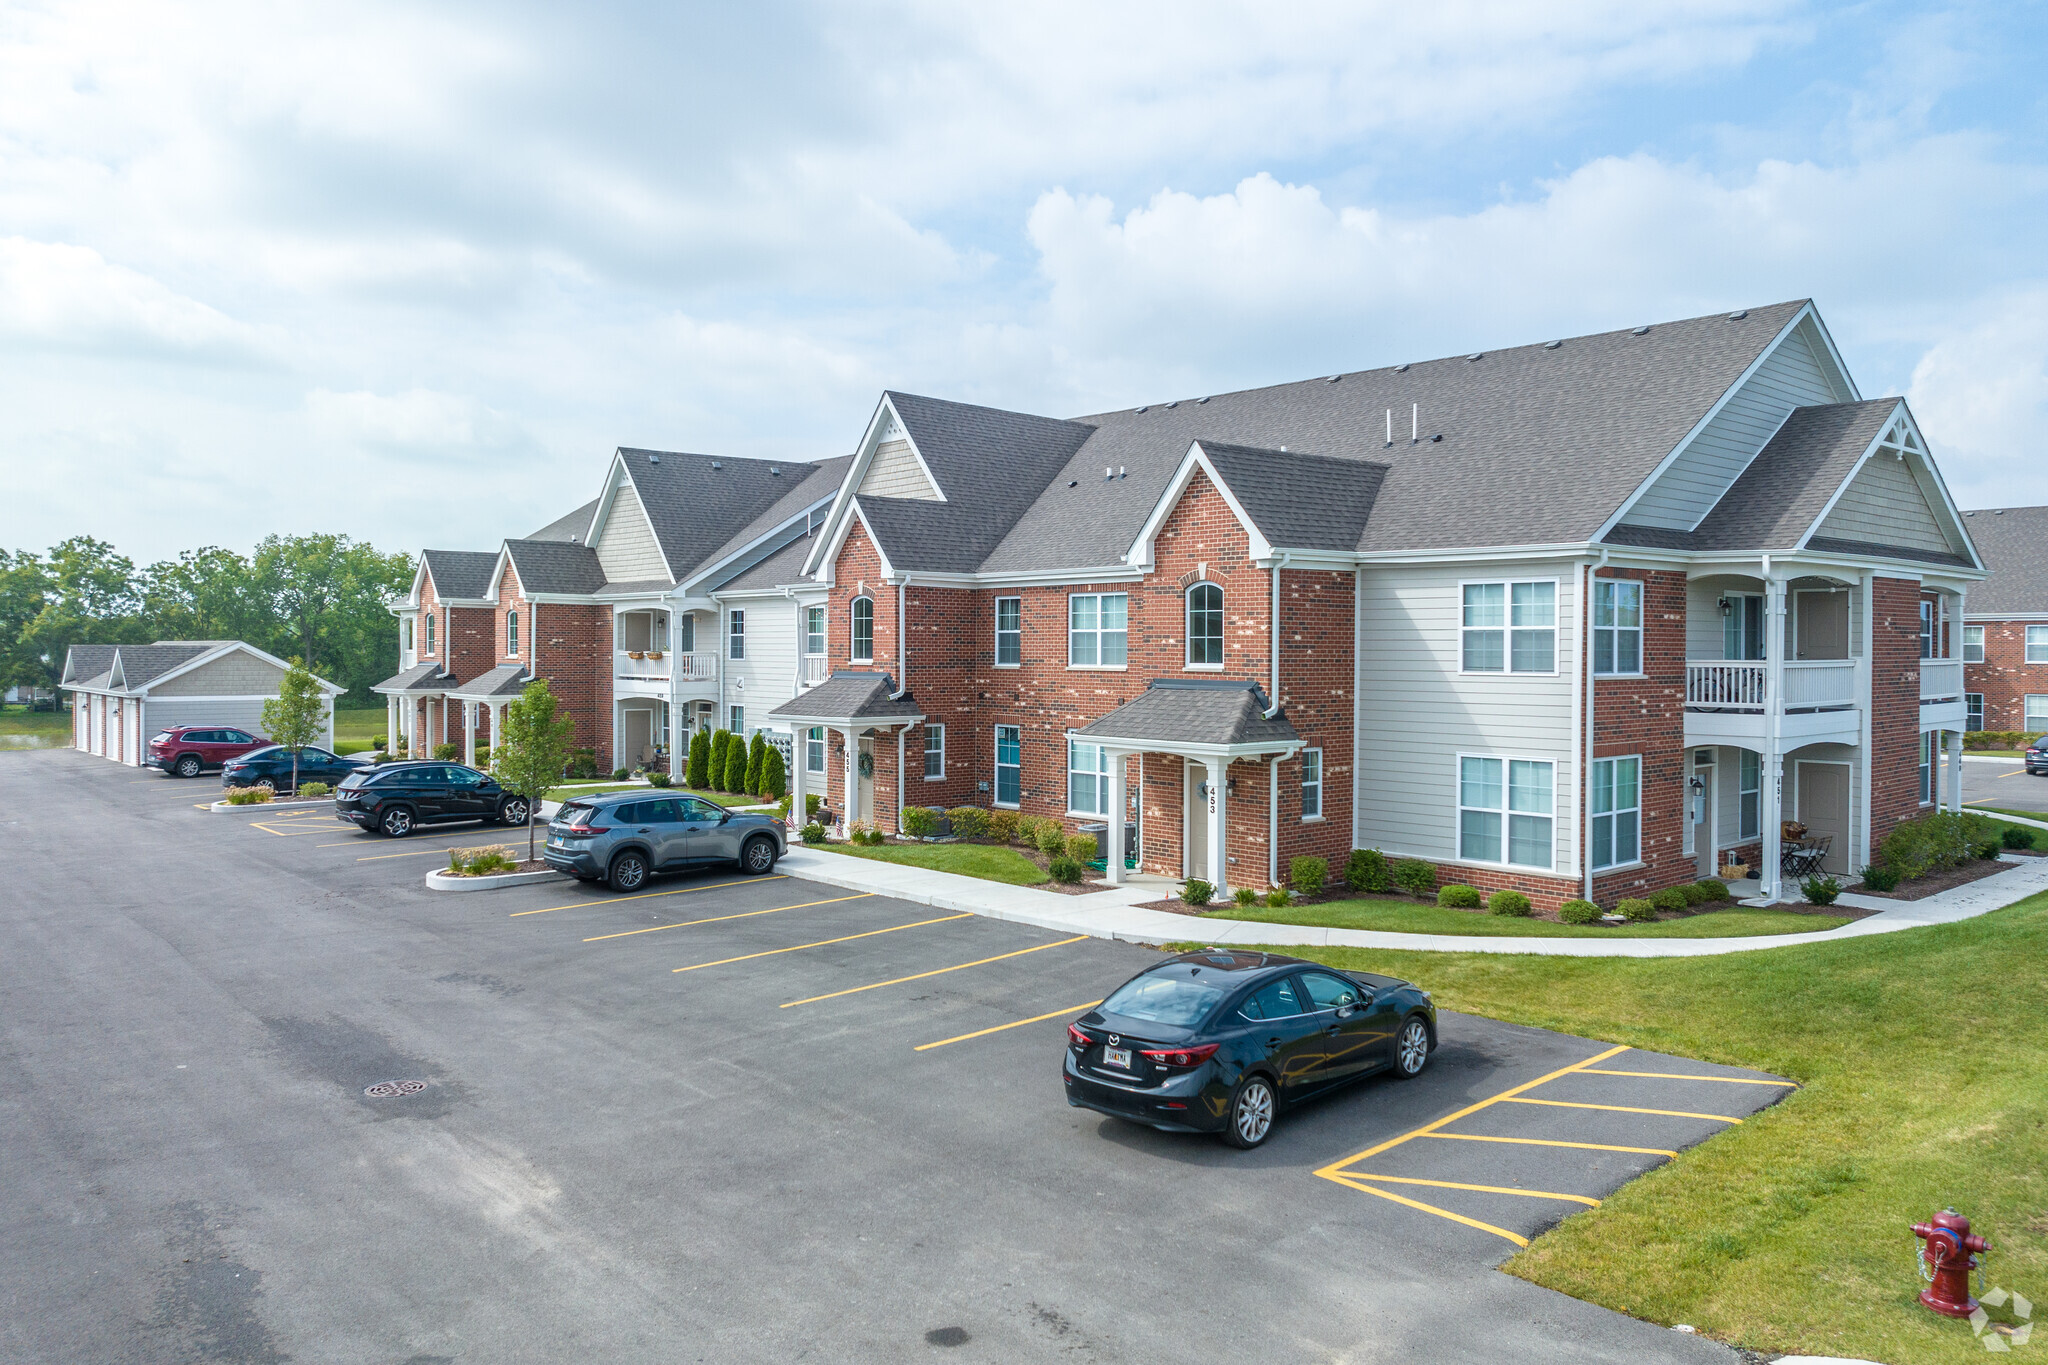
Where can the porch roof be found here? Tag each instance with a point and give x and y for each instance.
(506, 680)
(851, 697)
(420, 678)
(1203, 716)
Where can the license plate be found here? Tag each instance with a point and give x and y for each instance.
(1117, 1056)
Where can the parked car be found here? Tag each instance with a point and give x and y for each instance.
(397, 798)
(272, 767)
(622, 837)
(1219, 1041)
(188, 750)
(2037, 757)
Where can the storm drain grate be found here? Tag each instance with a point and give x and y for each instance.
(384, 1090)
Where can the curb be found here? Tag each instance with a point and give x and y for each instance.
(441, 881)
(294, 804)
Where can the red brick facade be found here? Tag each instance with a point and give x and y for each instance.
(2005, 679)
(1894, 705)
(1646, 716)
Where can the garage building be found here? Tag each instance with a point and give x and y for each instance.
(123, 694)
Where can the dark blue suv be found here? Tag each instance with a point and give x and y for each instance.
(622, 837)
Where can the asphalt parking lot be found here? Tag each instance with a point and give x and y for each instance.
(2005, 784)
(265, 1098)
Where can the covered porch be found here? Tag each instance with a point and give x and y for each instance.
(410, 711)
(483, 700)
(862, 709)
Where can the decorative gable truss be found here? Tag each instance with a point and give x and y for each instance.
(1894, 498)
(886, 464)
(621, 533)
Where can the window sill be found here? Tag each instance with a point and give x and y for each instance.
(1018, 665)
(1500, 867)
(940, 778)
(1006, 805)
(1509, 673)
(1313, 819)
(1202, 668)
(1098, 668)
(1625, 867)
(1087, 815)
(869, 662)
(1619, 677)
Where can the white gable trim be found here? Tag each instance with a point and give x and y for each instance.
(622, 473)
(834, 529)
(1900, 420)
(498, 574)
(1140, 553)
(719, 566)
(831, 548)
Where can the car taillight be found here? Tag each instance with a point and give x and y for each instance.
(1184, 1056)
(1078, 1038)
(580, 831)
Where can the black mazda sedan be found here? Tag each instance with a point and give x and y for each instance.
(272, 768)
(1218, 1041)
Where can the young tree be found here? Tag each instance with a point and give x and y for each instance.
(735, 764)
(756, 753)
(297, 715)
(774, 780)
(529, 757)
(699, 775)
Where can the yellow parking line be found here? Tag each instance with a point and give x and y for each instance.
(1681, 1076)
(1549, 1142)
(410, 853)
(745, 914)
(1514, 1237)
(1483, 1189)
(983, 1033)
(941, 971)
(1627, 1109)
(821, 943)
(647, 895)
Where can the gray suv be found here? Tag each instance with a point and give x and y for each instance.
(622, 838)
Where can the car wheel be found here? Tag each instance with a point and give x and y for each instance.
(758, 856)
(629, 872)
(1251, 1113)
(396, 822)
(266, 784)
(188, 766)
(1411, 1049)
(514, 812)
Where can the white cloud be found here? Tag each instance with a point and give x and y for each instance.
(419, 421)
(1981, 394)
(61, 295)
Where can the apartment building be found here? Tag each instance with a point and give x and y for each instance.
(2005, 634)
(1590, 616)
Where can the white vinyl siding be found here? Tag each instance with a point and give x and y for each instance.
(896, 473)
(626, 547)
(1796, 374)
(232, 675)
(766, 677)
(1885, 504)
(1408, 666)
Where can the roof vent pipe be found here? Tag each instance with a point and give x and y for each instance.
(1390, 426)
(1414, 422)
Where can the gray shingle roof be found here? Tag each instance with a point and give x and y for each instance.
(1208, 711)
(418, 678)
(694, 507)
(2013, 543)
(82, 663)
(786, 565)
(1870, 549)
(574, 526)
(556, 567)
(506, 680)
(808, 490)
(850, 697)
(1297, 501)
(144, 664)
(460, 573)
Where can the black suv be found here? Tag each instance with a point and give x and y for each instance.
(397, 798)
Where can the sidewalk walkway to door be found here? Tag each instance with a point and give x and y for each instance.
(1115, 913)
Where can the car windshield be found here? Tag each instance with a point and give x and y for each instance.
(575, 813)
(272, 752)
(1162, 999)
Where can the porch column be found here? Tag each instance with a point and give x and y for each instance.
(798, 762)
(497, 727)
(1113, 867)
(1773, 802)
(852, 811)
(1954, 740)
(391, 725)
(1219, 864)
(469, 733)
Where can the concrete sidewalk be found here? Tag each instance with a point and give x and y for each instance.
(1114, 913)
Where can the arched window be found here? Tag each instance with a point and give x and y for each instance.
(511, 632)
(863, 630)
(1205, 624)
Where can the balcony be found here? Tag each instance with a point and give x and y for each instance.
(660, 666)
(817, 668)
(1728, 701)
(1940, 680)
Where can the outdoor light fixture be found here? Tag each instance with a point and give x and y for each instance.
(1727, 607)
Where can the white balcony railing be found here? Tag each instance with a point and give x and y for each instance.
(1730, 685)
(817, 668)
(1819, 684)
(700, 667)
(1744, 685)
(661, 666)
(1941, 679)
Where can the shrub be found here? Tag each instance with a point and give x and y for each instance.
(1065, 869)
(1278, 898)
(1879, 879)
(1195, 891)
(1307, 875)
(659, 779)
(1081, 848)
(1509, 903)
(2016, 836)
(1051, 837)
(1820, 889)
(757, 757)
(1366, 870)
(247, 796)
(1933, 842)
(1578, 912)
(856, 832)
(483, 756)
(1244, 895)
(919, 822)
(582, 765)
(1459, 897)
(875, 837)
(1694, 894)
(1636, 911)
(621, 774)
(1987, 849)
(812, 800)
(774, 779)
(1712, 889)
(447, 752)
(1415, 876)
(1999, 739)
(315, 789)
(378, 742)
(814, 833)
(1669, 900)
(714, 770)
(736, 765)
(480, 862)
(1002, 826)
(969, 822)
(1027, 829)
(700, 760)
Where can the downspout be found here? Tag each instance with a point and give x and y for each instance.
(1274, 629)
(1273, 763)
(902, 655)
(1586, 768)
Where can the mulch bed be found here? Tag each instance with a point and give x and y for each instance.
(1044, 861)
(525, 865)
(1920, 888)
(1176, 906)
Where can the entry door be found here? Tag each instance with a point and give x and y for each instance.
(1823, 625)
(1824, 808)
(867, 782)
(639, 735)
(1699, 812)
(1197, 821)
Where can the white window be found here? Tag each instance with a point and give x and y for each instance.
(511, 632)
(814, 749)
(406, 633)
(934, 752)
(430, 632)
(1009, 632)
(1205, 626)
(739, 720)
(814, 630)
(1510, 627)
(1009, 765)
(1617, 626)
(1927, 628)
(2037, 713)
(736, 631)
(1617, 811)
(2037, 644)
(1097, 625)
(1750, 794)
(863, 630)
(1742, 626)
(1973, 710)
(1311, 784)
(1973, 644)
(1927, 768)
(1087, 779)
(1504, 810)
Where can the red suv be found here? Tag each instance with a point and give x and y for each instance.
(187, 750)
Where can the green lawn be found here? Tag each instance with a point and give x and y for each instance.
(2024, 814)
(1922, 1055)
(1408, 917)
(575, 789)
(990, 862)
(19, 720)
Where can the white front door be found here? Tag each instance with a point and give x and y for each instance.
(1195, 841)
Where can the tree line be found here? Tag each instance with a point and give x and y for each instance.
(318, 598)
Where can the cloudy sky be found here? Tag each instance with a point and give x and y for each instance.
(410, 271)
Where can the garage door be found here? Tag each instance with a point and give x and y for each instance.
(243, 715)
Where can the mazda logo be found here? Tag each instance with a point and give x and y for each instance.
(1114, 1040)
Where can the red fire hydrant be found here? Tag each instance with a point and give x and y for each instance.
(1946, 1261)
